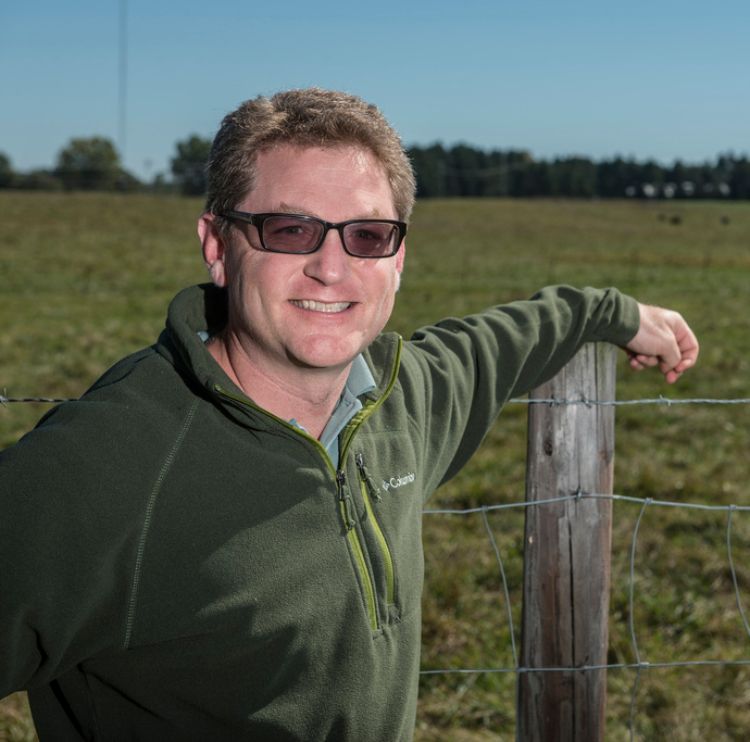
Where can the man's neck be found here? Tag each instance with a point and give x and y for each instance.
(308, 395)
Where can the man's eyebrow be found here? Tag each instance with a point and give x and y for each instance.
(292, 209)
(288, 208)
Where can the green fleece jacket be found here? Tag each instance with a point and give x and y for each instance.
(179, 564)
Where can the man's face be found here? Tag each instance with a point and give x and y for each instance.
(321, 309)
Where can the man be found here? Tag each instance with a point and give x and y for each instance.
(201, 549)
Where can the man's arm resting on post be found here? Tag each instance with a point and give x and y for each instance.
(663, 339)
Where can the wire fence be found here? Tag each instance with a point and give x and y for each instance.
(639, 665)
(661, 400)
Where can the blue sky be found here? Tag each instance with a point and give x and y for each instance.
(657, 79)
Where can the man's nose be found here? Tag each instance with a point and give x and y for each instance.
(330, 263)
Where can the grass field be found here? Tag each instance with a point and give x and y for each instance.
(86, 278)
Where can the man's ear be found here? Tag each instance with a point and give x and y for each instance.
(213, 248)
(401, 257)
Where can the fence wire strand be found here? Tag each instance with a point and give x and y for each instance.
(740, 608)
(661, 400)
(506, 591)
(631, 582)
(551, 401)
(45, 400)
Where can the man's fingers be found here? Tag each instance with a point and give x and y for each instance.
(663, 339)
(639, 361)
(688, 346)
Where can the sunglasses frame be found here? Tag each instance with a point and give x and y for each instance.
(257, 220)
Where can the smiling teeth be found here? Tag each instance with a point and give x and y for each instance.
(319, 306)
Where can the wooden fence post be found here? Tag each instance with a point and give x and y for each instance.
(567, 553)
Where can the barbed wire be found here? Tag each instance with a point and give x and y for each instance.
(46, 400)
(639, 665)
(520, 670)
(551, 401)
(660, 400)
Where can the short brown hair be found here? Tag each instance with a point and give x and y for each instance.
(309, 118)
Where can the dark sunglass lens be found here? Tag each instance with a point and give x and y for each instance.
(291, 233)
(371, 239)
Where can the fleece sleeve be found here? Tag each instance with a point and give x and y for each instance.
(460, 372)
(71, 514)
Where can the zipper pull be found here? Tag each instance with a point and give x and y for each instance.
(345, 501)
(371, 488)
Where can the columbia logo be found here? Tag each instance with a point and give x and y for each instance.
(396, 482)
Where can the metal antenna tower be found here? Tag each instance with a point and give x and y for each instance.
(122, 98)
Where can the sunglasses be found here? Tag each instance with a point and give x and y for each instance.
(298, 234)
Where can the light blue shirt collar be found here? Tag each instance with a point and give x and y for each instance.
(359, 382)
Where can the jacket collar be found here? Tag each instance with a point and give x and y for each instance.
(201, 310)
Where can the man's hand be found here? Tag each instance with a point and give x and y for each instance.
(663, 339)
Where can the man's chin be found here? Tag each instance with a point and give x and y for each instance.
(325, 355)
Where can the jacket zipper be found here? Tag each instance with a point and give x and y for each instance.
(346, 508)
(368, 494)
(352, 535)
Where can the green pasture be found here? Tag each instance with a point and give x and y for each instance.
(85, 279)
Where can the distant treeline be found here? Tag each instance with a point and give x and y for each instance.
(458, 171)
(462, 170)
(93, 164)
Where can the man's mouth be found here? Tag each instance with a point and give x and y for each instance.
(322, 306)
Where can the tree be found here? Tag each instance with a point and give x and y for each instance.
(189, 165)
(89, 164)
(740, 178)
(522, 178)
(613, 177)
(37, 180)
(429, 167)
(466, 170)
(574, 177)
(6, 171)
